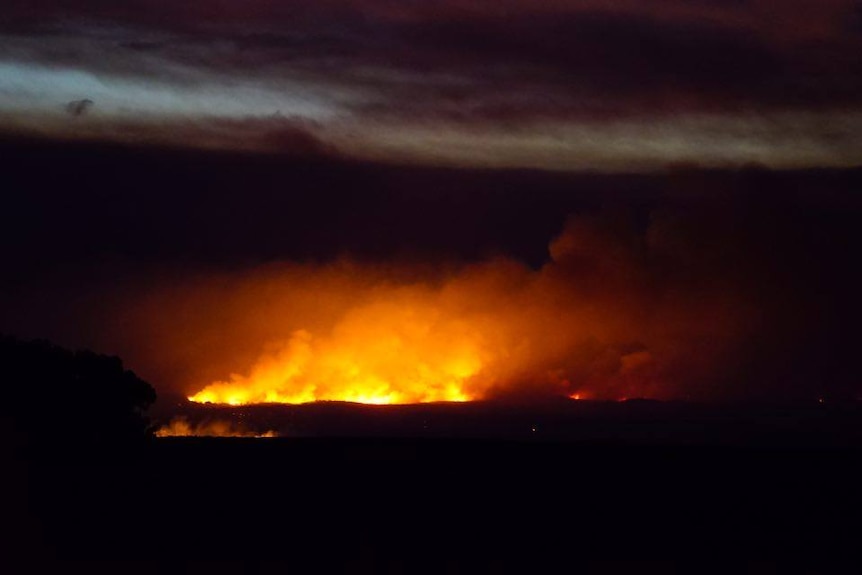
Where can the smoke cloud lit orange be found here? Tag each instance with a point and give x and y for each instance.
(593, 322)
(399, 343)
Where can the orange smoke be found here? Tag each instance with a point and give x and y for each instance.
(180, 427)
(386, 352)
(616, 312)
(399, 342)
(402, 345)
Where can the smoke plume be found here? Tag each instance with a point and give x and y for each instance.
(620, 310)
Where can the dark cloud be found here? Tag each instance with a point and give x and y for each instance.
(521, 59)
(78, 108)
(582, 66)
(598, 85)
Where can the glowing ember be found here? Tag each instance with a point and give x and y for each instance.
(180, 427)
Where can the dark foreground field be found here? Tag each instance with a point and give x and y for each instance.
(384, 504)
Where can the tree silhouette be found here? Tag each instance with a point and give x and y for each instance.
(56, 395)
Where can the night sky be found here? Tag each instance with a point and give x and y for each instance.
(609, 199)
(611, 85)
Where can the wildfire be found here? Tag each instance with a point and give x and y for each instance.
(384, 353)
(590, 324)
(180, 427)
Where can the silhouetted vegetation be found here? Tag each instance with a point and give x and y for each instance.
(55, 395)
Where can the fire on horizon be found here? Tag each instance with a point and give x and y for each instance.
(584, 325)
(351, 200)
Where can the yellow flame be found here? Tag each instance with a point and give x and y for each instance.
(384, 353)
(590, 323)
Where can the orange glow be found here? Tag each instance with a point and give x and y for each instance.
(180, 427)
(589, 324)
(384, 353)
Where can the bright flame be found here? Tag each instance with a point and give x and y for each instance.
(592, 323)
(390, 352)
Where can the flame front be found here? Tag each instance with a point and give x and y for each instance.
(390, 352)
(592, 323)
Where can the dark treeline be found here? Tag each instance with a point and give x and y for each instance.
(54, 395)
(61, 413)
